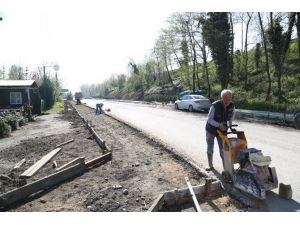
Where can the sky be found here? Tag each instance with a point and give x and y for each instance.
(90, 40)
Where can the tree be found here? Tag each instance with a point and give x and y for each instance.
(47, 90)
(298, 35)
(204, 56)
(231, 46)
(137, 79)
(246, 50)
(16, 73)
(268, 95)
(188, 26)
(257, 55)
(280, 42)
(216, 30)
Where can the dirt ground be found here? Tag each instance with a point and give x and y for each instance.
(140, 169)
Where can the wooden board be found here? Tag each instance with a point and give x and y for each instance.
(196, 203)
(157, 204)
(182, 196)
(21, 193)
(101, 159)
(19, 164)
(64, 143)
(39, 164)
(73, 162)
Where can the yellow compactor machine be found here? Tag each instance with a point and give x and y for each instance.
(247, 168)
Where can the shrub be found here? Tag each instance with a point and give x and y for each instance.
(11, 120)
(27, 112)
(4, 129)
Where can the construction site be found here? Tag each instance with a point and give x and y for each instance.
(79, 161)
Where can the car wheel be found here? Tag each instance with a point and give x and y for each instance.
(206, 110)
(176, 106)
(191, 108)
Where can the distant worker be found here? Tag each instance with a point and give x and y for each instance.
(221, 114)
(99, 108)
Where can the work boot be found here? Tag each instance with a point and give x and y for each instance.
(210, 162)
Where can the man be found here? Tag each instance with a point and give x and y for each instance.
(220, 114)
(99, 108)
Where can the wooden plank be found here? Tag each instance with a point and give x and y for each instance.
(19, 164)
(64, 143)
(39, 164)
(197, 206)
(183, 196)
(100, 142)
(157, 204)
(103, 158)
(73, 162)
(21, 193)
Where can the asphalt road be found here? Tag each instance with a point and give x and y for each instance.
(185, 133)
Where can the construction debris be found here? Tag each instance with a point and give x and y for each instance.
(64, 143)
(21, 193)
(54, 164)
(197, 206)
(285, 191)
(19, 164)
(73, 162)
(182, 196)
(39, 164)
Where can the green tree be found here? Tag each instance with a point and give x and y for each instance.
(47, 90)
(16, 73)
(280, 42)
(257, 55)
(217, 34)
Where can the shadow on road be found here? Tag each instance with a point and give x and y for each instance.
(274, 203)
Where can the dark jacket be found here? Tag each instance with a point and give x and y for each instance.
(222, 115)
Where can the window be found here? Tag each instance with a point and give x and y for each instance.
(15, 98)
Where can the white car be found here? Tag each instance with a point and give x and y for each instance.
(193, 103)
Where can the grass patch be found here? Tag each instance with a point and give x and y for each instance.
(59, 106)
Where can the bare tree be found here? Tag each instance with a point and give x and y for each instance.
(246, 50)
(268, 95)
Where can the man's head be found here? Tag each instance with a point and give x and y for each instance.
(226, 96)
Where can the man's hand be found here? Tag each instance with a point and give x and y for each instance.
(222, 127)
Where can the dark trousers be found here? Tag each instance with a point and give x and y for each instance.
(99, 108)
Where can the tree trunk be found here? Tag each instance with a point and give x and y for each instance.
(246, 51)
(206, 68)
(268, 96)
(197, 75)
(194, 56)
(176, 56)
(232, 47)
(158, 70)
(170, 80)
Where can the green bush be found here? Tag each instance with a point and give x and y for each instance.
(11, 120)
(4, 129)
(27, 112)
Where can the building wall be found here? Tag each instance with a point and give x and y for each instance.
(5, 97)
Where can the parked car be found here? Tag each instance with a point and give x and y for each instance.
(193, 103)
(190, 92)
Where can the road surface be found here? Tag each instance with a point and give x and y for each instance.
(185, 133)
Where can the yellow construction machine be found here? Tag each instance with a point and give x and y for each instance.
(247, 168)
